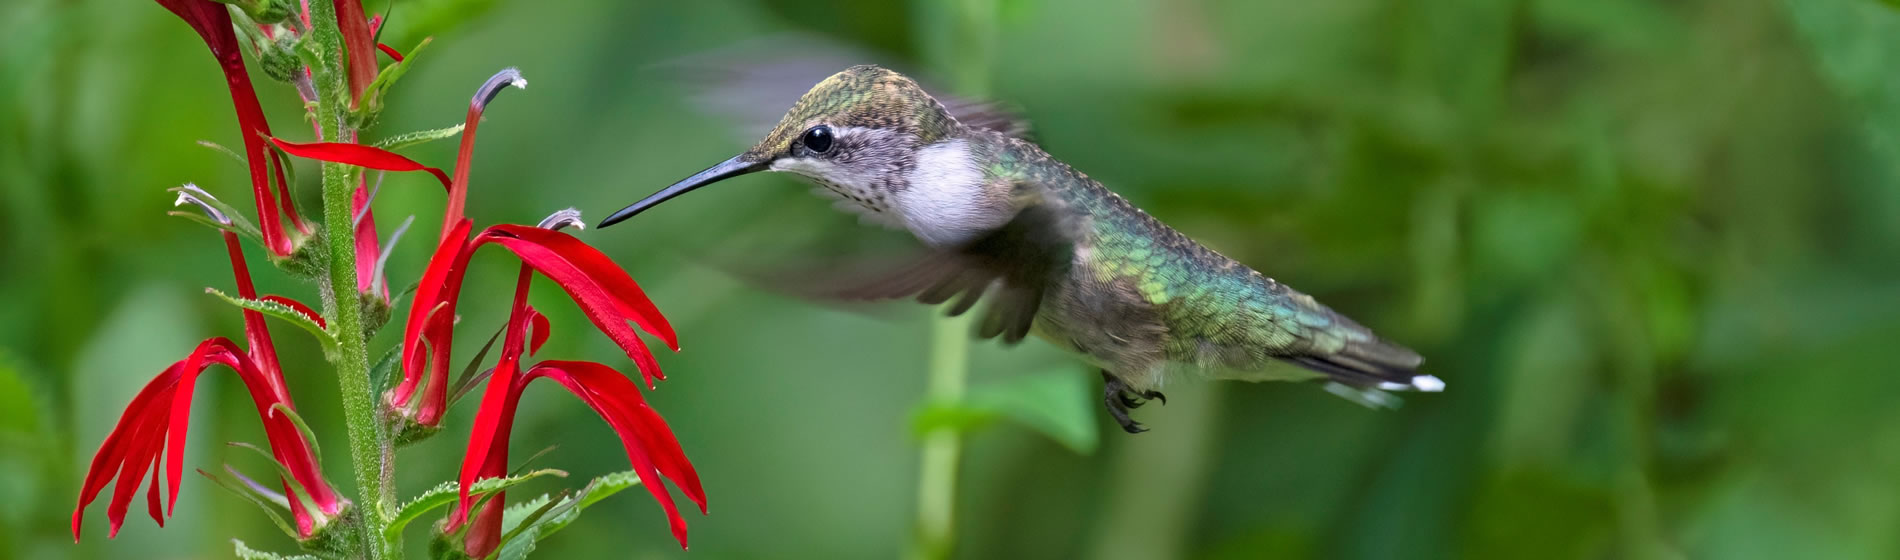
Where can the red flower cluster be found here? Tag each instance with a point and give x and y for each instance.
(604, 292)
(159, 415)
(155, 421)
(651, 448)
(212, 21)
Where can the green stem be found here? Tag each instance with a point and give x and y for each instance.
(937, 479)
(370, 459)
(975, 38)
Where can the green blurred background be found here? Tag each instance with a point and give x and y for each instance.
(1653, 247)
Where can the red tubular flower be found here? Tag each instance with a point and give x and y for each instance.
(368, 253)
(359, 155)
(458, 189)
(212, 21)
(604, 292)
(431, 323)
(158, 417)
(358, 46)
(651, 448)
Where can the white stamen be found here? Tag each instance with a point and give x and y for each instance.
(189, 193)
(568, 217)
(377, 278)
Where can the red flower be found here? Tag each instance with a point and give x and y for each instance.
(358, 45)
(359, 155)
(159, 416)
(651, 447)
(605, 293)
(212, 21)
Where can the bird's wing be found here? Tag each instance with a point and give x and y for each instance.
(1011, 267)
(753, 82)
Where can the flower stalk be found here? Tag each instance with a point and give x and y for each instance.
(328, 51)
(371, 453)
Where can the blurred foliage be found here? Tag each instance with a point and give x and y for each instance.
(1651, 246)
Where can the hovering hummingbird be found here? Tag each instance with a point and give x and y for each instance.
(1052, 251)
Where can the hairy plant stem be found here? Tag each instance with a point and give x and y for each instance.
(370, 449)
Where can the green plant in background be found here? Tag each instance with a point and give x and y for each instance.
(328, 52)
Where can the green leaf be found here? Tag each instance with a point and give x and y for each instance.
(518, 547)
(381, 373)
(216, 147)
(213, 224)
(284, 312)
(316, 452)
(252, 497)
(445, 494)
(529, 522)
(248, 553)
(297, 489)
(1058, 404)
(373, 94)
(408, 139)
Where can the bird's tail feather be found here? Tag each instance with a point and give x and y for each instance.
(1368, 368)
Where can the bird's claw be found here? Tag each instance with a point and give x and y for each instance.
(1119, 399)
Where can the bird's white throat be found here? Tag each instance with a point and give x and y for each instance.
(945, 202)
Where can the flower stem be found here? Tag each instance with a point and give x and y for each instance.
(369, 445)
(937, 479)
(974, 35)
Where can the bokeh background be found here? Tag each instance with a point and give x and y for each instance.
(1653, 247)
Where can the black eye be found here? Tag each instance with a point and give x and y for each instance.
(818, 139)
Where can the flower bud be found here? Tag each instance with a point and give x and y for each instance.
(268, 11)
(279, 59)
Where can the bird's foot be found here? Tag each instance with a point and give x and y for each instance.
(1120, 399)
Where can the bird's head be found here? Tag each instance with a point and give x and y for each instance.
(858, 133)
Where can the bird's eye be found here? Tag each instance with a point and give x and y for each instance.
(818, 139)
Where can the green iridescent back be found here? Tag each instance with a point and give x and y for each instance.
(1212, 311)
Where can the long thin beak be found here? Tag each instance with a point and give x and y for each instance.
(734, 167)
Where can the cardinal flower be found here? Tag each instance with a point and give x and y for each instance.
(157, 419)
(651, 448)
(609, 297)
(212, 21)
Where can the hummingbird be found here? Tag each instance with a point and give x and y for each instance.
(1050, 251)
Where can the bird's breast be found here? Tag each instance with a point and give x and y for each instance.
(944, 200)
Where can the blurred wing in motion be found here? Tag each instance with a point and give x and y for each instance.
(1011, 267)
(756, 81)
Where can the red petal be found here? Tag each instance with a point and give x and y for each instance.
(118, 445)
(298, 307)
(212, 21)
(440, 284)
(541, 330)
(256, 332)
(368, 251)
(359, 155)
(488, 439)
(391, 51)
(358, 44)
(592, 299)
(627, 295)
(212, 351)
(608, 311)
(146, 440)
(649, 443)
